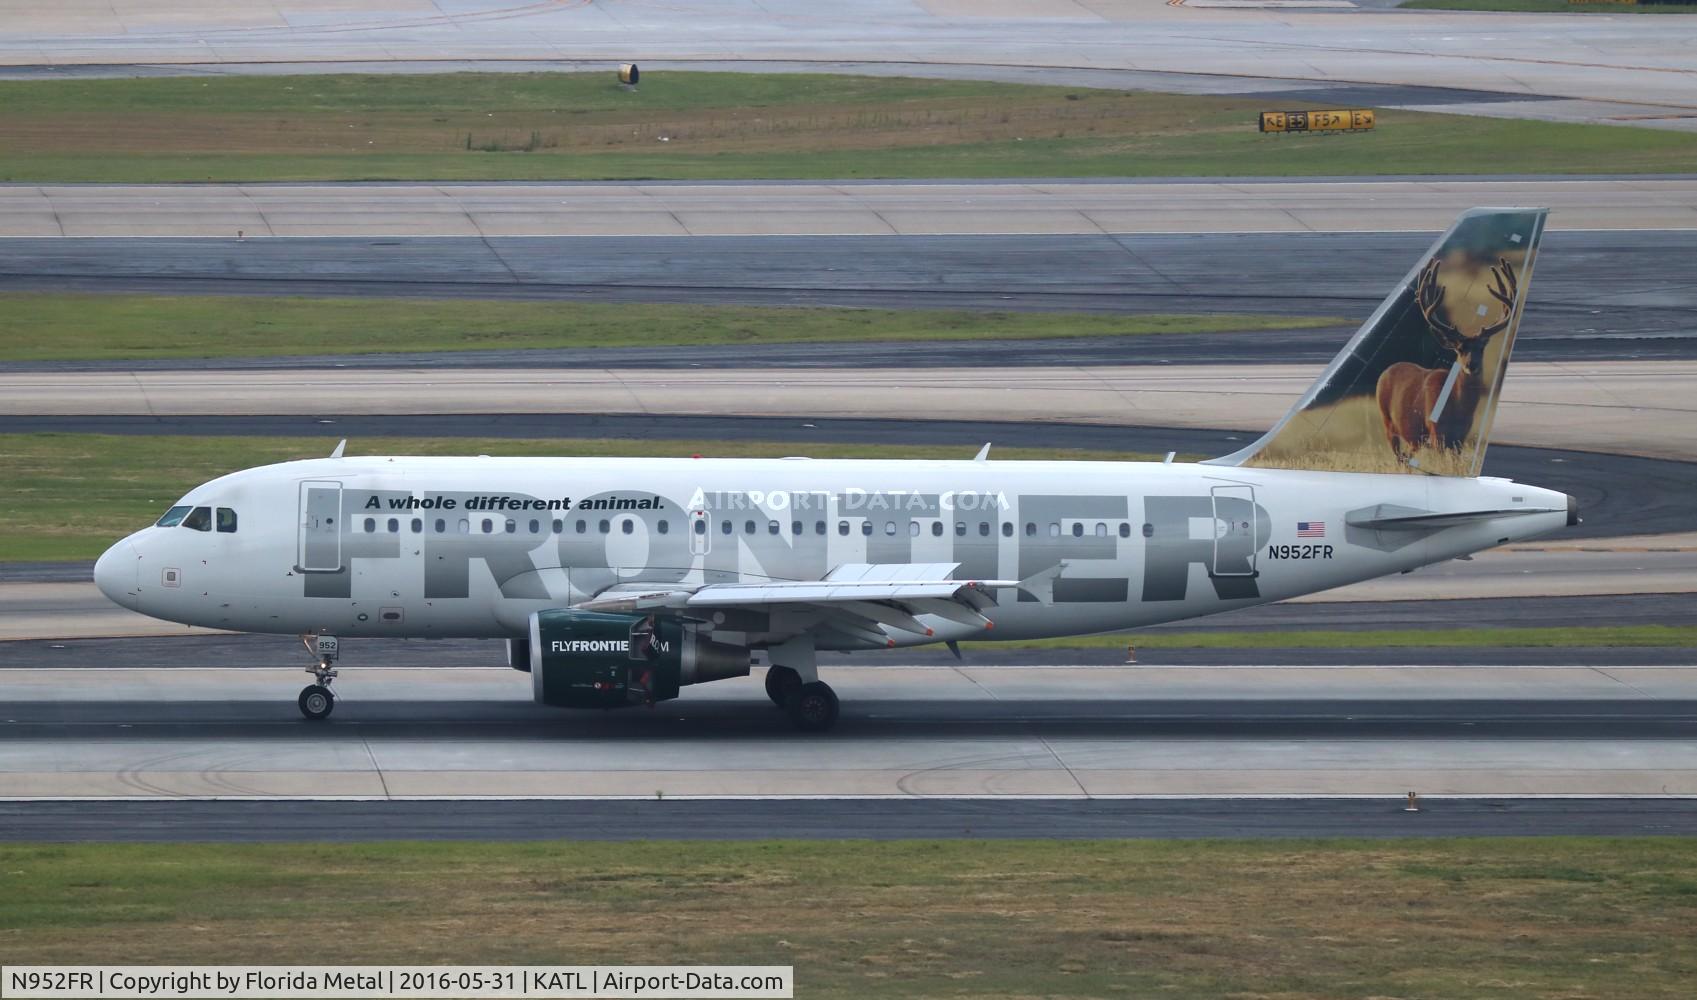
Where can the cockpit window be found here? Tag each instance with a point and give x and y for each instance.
(172, 518)
(226, 520)
(200, 519)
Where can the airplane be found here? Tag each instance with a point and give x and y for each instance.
(616, 582)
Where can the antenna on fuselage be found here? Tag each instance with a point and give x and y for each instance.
(338, 452)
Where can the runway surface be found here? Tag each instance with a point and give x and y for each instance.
(1613, 60)
(906, 732)
(1598, 295)
(1631, 407)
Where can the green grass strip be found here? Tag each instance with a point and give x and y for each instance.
(708, 126)
(1462, 919)
(49, 326)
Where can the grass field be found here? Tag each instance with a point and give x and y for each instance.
(54, 326)
(69, 496)
(471, 126)
(1459, 919)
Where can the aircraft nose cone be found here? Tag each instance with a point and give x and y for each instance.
(116, 573)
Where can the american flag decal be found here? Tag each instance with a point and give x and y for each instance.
(1311, 529)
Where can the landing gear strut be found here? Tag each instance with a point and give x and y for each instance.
(316, 700)
(793, 684)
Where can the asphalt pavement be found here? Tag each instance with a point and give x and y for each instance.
(841, 819)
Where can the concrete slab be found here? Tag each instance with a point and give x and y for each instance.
(920, 209)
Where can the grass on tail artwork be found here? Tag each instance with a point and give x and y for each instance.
(1417, 390)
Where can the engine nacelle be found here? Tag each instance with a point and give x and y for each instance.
(594, 659)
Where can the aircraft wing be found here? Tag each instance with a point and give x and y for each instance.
(861, 600)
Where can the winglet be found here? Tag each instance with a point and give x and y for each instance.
(983, 453)
(340, 445)
(1042, 585)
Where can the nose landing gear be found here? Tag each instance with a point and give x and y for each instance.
(316, 700)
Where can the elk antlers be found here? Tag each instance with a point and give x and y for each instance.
(1430, 296)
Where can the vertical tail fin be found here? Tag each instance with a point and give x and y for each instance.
(1415, 390)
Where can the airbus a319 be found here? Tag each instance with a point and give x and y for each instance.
(617, 582)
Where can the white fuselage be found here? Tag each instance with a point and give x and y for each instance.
(438, 547)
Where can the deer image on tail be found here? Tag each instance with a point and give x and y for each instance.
(1417, 412)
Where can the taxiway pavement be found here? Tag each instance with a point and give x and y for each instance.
(107, 820)
(865, 208)
(909, 732)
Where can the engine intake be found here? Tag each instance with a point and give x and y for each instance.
(594, 659)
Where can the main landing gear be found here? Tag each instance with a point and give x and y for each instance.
(811, 706)
(316, 700)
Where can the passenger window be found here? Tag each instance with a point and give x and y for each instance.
(797, 528)
(200, 519)
(417, 525)
(441, 526)
(535, 526)
(1054, 530)
(1030, 529)
(818, 527)
(394, 526)
(226, 520)
(701, 527)
(889, 527)
(773, 527)
(913, 529)
(488, 526)
(960, 529)
(582, 526)
(1148, 530)
(559, 526)
(842, 528)
(626, 525)
(748, 527)
(664, 526)
(1078, 529)
(983, 529)
(1125, 529)
(370, 525)
(936, 529)
(171, 518)
(1101, 530)
(866, 527)
(725, 527)
(604, 527)
(465, 526)
(1007, 529)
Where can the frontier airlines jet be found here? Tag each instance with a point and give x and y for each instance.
(616, 582)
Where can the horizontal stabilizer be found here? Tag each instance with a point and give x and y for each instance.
(1387, 517)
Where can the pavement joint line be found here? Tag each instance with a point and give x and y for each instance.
(813, 235)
